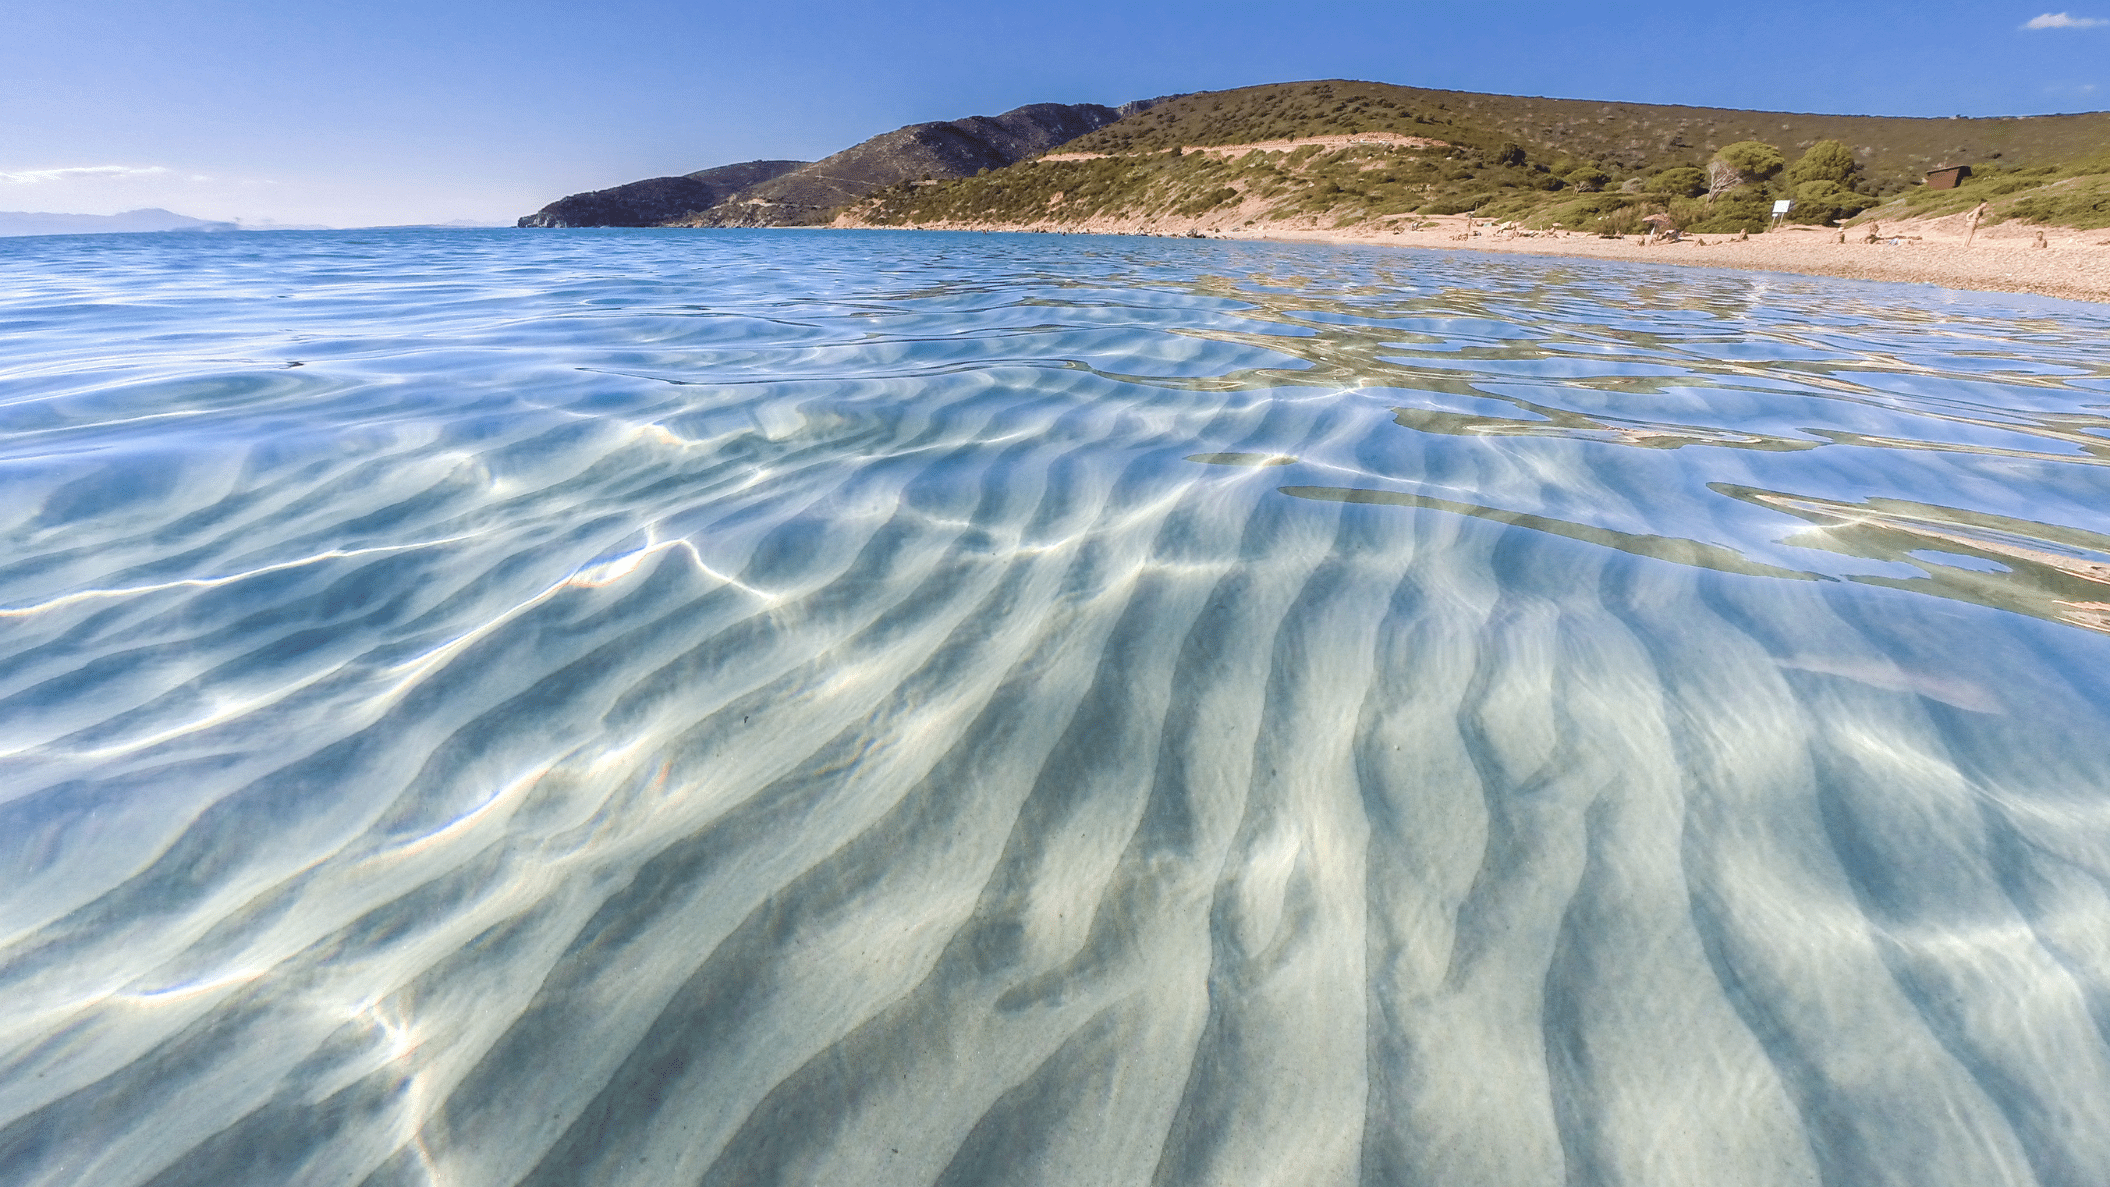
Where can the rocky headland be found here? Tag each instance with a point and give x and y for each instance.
(657, 201)
(798, 193)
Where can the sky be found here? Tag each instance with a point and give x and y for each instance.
(374, 112)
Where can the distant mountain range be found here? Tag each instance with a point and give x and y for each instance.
(799, 193)
(22, 222)
(26, 223)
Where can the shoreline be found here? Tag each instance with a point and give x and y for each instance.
(2072, 265)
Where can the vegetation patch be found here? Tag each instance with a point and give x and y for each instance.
(2072, 194)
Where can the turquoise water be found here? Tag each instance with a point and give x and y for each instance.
(869, 708)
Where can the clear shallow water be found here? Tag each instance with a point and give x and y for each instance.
(630, 708)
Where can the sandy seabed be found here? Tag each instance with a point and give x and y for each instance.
(903, 711)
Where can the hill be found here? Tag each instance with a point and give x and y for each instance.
(657, 200)
(936, 151)
(1339, 154)
(1627, 138)
(798, 193)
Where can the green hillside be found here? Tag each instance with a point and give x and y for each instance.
(1352, 183)
(2073, 195)
(1542, 163)
(1626, 138)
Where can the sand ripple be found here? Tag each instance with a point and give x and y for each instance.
(757, 708)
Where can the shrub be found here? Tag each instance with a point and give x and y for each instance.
(1688, 213)
(1580, 213)
(1745, 208)
(1203, 203)
(1589, 179)
(1682, 181)
(1754, 160)
(1822, 202)
(1827, 160)
(1457, 205)
(1624, 221)
(1742, 163)
(1506, 207)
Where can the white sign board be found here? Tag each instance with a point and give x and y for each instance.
(1781, 207)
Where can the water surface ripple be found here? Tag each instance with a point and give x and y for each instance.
(617, 708)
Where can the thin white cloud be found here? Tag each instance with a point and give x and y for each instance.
(2063, 20)
(80, 173)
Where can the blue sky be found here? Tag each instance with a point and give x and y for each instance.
(386, 111)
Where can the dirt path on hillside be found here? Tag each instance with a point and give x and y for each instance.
(1385, 139)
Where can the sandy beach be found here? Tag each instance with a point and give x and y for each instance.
(2070, 264)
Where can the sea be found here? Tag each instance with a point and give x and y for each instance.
(629, 708)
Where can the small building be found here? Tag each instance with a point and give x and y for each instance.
(1948, 177)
